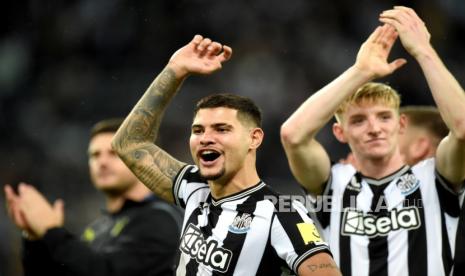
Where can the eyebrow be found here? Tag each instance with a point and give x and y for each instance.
(214, 125)
(356, 116)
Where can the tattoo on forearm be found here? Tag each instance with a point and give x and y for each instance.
(136, 137)
(316, 267)
(144, 121)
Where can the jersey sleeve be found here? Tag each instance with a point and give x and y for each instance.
(186, 183)
(295, 237)
(340, 176)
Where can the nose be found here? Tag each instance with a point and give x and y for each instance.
(102, 160)
(207, 138)
(373, 127)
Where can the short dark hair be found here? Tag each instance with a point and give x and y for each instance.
(106, 126)
(247, 110)
(426, 117)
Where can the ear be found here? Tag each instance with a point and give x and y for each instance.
(420, 148)
(256, 136)
(403, 121)
(338, 132)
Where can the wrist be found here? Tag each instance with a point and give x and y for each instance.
(180, 71)
(423, 54)
(362, 75)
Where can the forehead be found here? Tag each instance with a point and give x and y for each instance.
(365, 108)
(217, 115)
(101, 141)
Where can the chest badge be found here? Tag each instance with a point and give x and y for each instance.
(241, 223)
(407, 184)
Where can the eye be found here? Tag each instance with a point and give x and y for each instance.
(356, 121)
(94, 155)
(197, 131)
(386, 117)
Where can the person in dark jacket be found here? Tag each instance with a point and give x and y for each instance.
(137, 234)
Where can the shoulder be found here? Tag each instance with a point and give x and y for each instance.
(340, 176)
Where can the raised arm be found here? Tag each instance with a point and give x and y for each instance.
(447, 92)
(308, 160)
(134, 141)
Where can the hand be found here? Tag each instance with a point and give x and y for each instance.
(411, 29)
(374, 52)
(201, 56)
(15, 214)
(38, 213)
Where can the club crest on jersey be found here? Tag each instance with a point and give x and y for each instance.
(408, 184)
(241, 223)
(356, 222)
(207, 252)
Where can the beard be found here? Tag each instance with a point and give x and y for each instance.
(213, 176)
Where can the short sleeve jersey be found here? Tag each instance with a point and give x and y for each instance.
(241, 234)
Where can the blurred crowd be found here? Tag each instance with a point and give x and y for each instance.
(66, 64)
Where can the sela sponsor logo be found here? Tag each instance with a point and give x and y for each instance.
(205, 252)
(408, 183)
(355, 222)
(241, 223)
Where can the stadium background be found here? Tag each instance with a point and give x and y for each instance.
(66, 64)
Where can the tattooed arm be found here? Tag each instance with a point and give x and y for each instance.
(320, 264)
(134, 141)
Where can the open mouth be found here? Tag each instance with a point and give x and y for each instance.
(209, 155)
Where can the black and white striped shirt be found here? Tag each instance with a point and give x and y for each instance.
(402, 224)
(242, 234)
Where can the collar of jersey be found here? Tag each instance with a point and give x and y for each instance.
(238, 195)
(387, 178)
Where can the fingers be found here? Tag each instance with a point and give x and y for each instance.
(390, 38)
(11, 200)
(203, 45)
(10, 195)
(396, 64)
(59, 206)
(59, 209)
(375, 34)
(207, 47)
(31, 198)
(197, 39)
(399, 16)
(226, 54)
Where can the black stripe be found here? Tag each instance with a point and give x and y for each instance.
(459, 257)
(446, 252)
(417, 253)
(449, 204)
(324, 216)
(378, 250)
(449, 201)
(350, 193)
(235, 241)
(192, 265)
(213, 217)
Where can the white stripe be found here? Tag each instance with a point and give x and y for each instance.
(398, 253)
(282, 244)
(177, 185)
(256, 240)
(359, 255)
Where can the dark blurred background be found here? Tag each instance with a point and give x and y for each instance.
(66, 64)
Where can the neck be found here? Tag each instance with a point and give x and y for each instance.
(241, 180)
(138, 192)
(379, 168)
